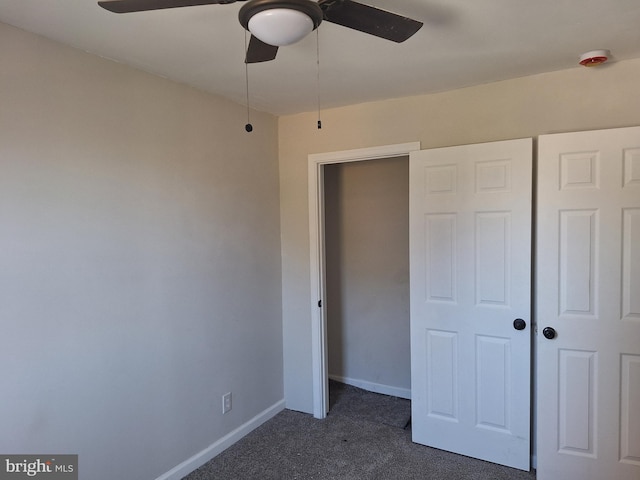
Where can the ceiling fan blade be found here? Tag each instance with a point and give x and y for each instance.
(371, 20)
(259, 51)
(129, 6)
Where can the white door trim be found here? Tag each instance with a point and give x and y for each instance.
(316, 249)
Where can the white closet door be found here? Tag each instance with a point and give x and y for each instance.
(470, 253)
(588, 292)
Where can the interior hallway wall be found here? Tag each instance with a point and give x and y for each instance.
(367, 274)
(568, 100)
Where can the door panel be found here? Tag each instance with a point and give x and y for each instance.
(470, 249)
(588, 291)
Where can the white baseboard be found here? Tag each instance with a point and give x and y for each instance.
(374, 387)
(200, 458)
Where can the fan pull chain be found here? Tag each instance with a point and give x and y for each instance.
(248, 127)
(318, 75)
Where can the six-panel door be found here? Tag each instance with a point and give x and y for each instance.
(588, 292)
(470, 252)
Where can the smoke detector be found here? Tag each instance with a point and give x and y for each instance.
(594, 58)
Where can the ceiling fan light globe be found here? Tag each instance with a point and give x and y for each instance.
(280, 26)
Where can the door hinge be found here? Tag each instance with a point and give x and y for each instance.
(319, 303)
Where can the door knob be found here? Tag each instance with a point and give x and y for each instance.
(549, 333)
(519, 324)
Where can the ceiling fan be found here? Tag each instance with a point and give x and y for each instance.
(276, 23)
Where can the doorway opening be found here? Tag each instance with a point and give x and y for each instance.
(320, 351)
(366, 207)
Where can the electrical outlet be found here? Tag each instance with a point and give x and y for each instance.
(226, 402)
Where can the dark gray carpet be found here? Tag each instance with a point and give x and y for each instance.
(347, 445)
(363, 405)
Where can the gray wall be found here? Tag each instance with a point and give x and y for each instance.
(367, 274)
(139, 263)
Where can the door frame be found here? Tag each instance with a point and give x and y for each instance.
(316, 162)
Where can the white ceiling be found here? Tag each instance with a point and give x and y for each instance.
(462, 43)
